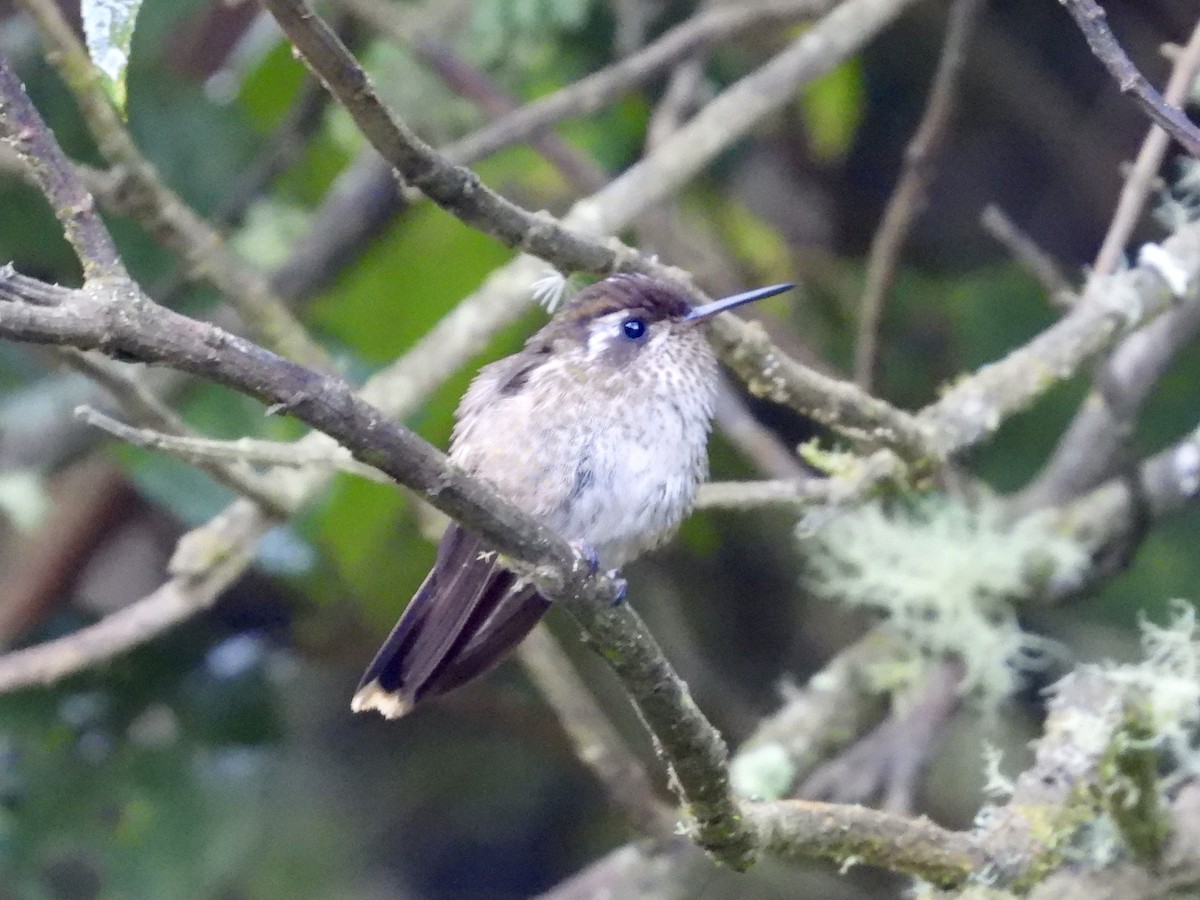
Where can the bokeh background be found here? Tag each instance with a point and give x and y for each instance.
(221, 761)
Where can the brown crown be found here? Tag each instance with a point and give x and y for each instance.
(655, 299)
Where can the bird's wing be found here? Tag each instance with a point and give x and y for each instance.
(463, 619)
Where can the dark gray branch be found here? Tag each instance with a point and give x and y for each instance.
(1090, 18)
(24, 130)
(455, 188)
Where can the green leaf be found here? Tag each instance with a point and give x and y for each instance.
(833, 107)
(108, 28)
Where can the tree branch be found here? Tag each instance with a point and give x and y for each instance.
(1090, 18)
(1140, 178)
(801, 828)
(23, 129)
(1092, 444)
(594, 92)
(162, 212)
(1110, 309)
(908, 199)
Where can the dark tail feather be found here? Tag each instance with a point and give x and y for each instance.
(465, 617)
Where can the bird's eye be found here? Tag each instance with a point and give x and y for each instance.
(634, 328)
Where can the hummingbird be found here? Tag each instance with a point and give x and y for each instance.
(599, 428)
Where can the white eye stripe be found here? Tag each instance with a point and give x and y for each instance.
(604, 331)
(608, 329)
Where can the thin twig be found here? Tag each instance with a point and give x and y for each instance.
(243, 451)
(597, 744)
(908, 199)
(1140, 179)
(592, 93)
(1028, 255)
(143, 406)
(1090, 18)
(1094, 441)
(23, 129)
(855, 483)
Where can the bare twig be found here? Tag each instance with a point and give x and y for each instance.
(23, 129)
(597, 743)
(1140, 178)
(242, 452)
(884, 768)
(1092, 444)
(146, 408)
(591, 94)
(1029, 255)
(908, 199)
(856, 482)
(468, 81)
(1090, 18)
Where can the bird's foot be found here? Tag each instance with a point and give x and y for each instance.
(620, 584)
(587, 554)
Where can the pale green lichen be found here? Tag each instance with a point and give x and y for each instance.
(765, 772)
(1167, 685)
(945, 574)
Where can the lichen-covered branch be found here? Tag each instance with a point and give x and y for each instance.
(800, 828)
(1110, 308)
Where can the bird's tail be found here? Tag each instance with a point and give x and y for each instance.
(466, 616)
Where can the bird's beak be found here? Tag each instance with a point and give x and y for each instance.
(700, 313)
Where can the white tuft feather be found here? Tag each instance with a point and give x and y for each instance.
(550, 289)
